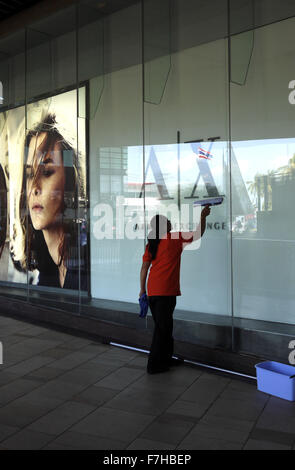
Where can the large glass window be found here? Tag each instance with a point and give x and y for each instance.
(12, 138)
(116, 173)
(263, 148)
(112, 113)
(186, 151)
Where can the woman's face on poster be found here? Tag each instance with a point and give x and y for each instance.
(45, 178)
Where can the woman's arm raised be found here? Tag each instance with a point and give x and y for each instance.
(189, 237)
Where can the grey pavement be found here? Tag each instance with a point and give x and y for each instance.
(59, 391)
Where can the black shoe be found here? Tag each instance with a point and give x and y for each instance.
(157, 370)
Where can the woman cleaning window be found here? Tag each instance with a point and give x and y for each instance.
(162, 256)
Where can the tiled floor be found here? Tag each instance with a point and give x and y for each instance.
(58, 391)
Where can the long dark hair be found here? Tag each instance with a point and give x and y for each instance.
(160, 227)
(37, 256)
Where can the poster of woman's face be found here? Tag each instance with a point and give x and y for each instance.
(43, 194)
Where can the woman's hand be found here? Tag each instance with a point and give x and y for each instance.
(205, 212)
(142, 292)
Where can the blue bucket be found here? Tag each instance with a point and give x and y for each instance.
(276, 379)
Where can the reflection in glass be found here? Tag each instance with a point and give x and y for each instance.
(39, 63)
(242, 46)
(268, 172)
(11, 150)
(51, 238)
(157, 48)
(263, 239)
(47, 194)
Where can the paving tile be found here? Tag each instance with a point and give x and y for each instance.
(72, 360)
(75, 343)
(29, 365)
(45, 373)
(205, 389)
(86, 375)
(227, 423)
(56, 388)
(243, 385)
(11, 340)
(120, 379)
(56, 353)
(81, 441)
(268, 435)
(36, 379)
(278, 405)
(171, 418)
(6, 377)
(95, 348)
(139, 361)
(222, 432)
(185, 408)
(248, 410)
(147, 444)
(111, 362)
(96, 396)
(19, 347)
(34, 345)
(177, 380)
(103, 368)
(34, 330)
(166, 431)
(59, 391)
(27, 440)
(244, 391)
(197, 442)
(264, 445)
(63, 417)
(151, 402)
(16, 389)
(120, 354)
(6, 431)
(113, 424)
(22, 331)
(55, 336)
(236, 395)
(13, 359)
(53, 446)
(12, 327)
(23, 335)
(24, 411)
(278, 415)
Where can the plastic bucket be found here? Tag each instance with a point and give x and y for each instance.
(276, 379)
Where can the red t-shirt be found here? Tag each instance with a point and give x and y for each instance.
(165, 269)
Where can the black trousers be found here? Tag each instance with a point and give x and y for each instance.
(162, 308)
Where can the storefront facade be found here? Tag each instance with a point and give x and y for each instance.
(147, 107)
